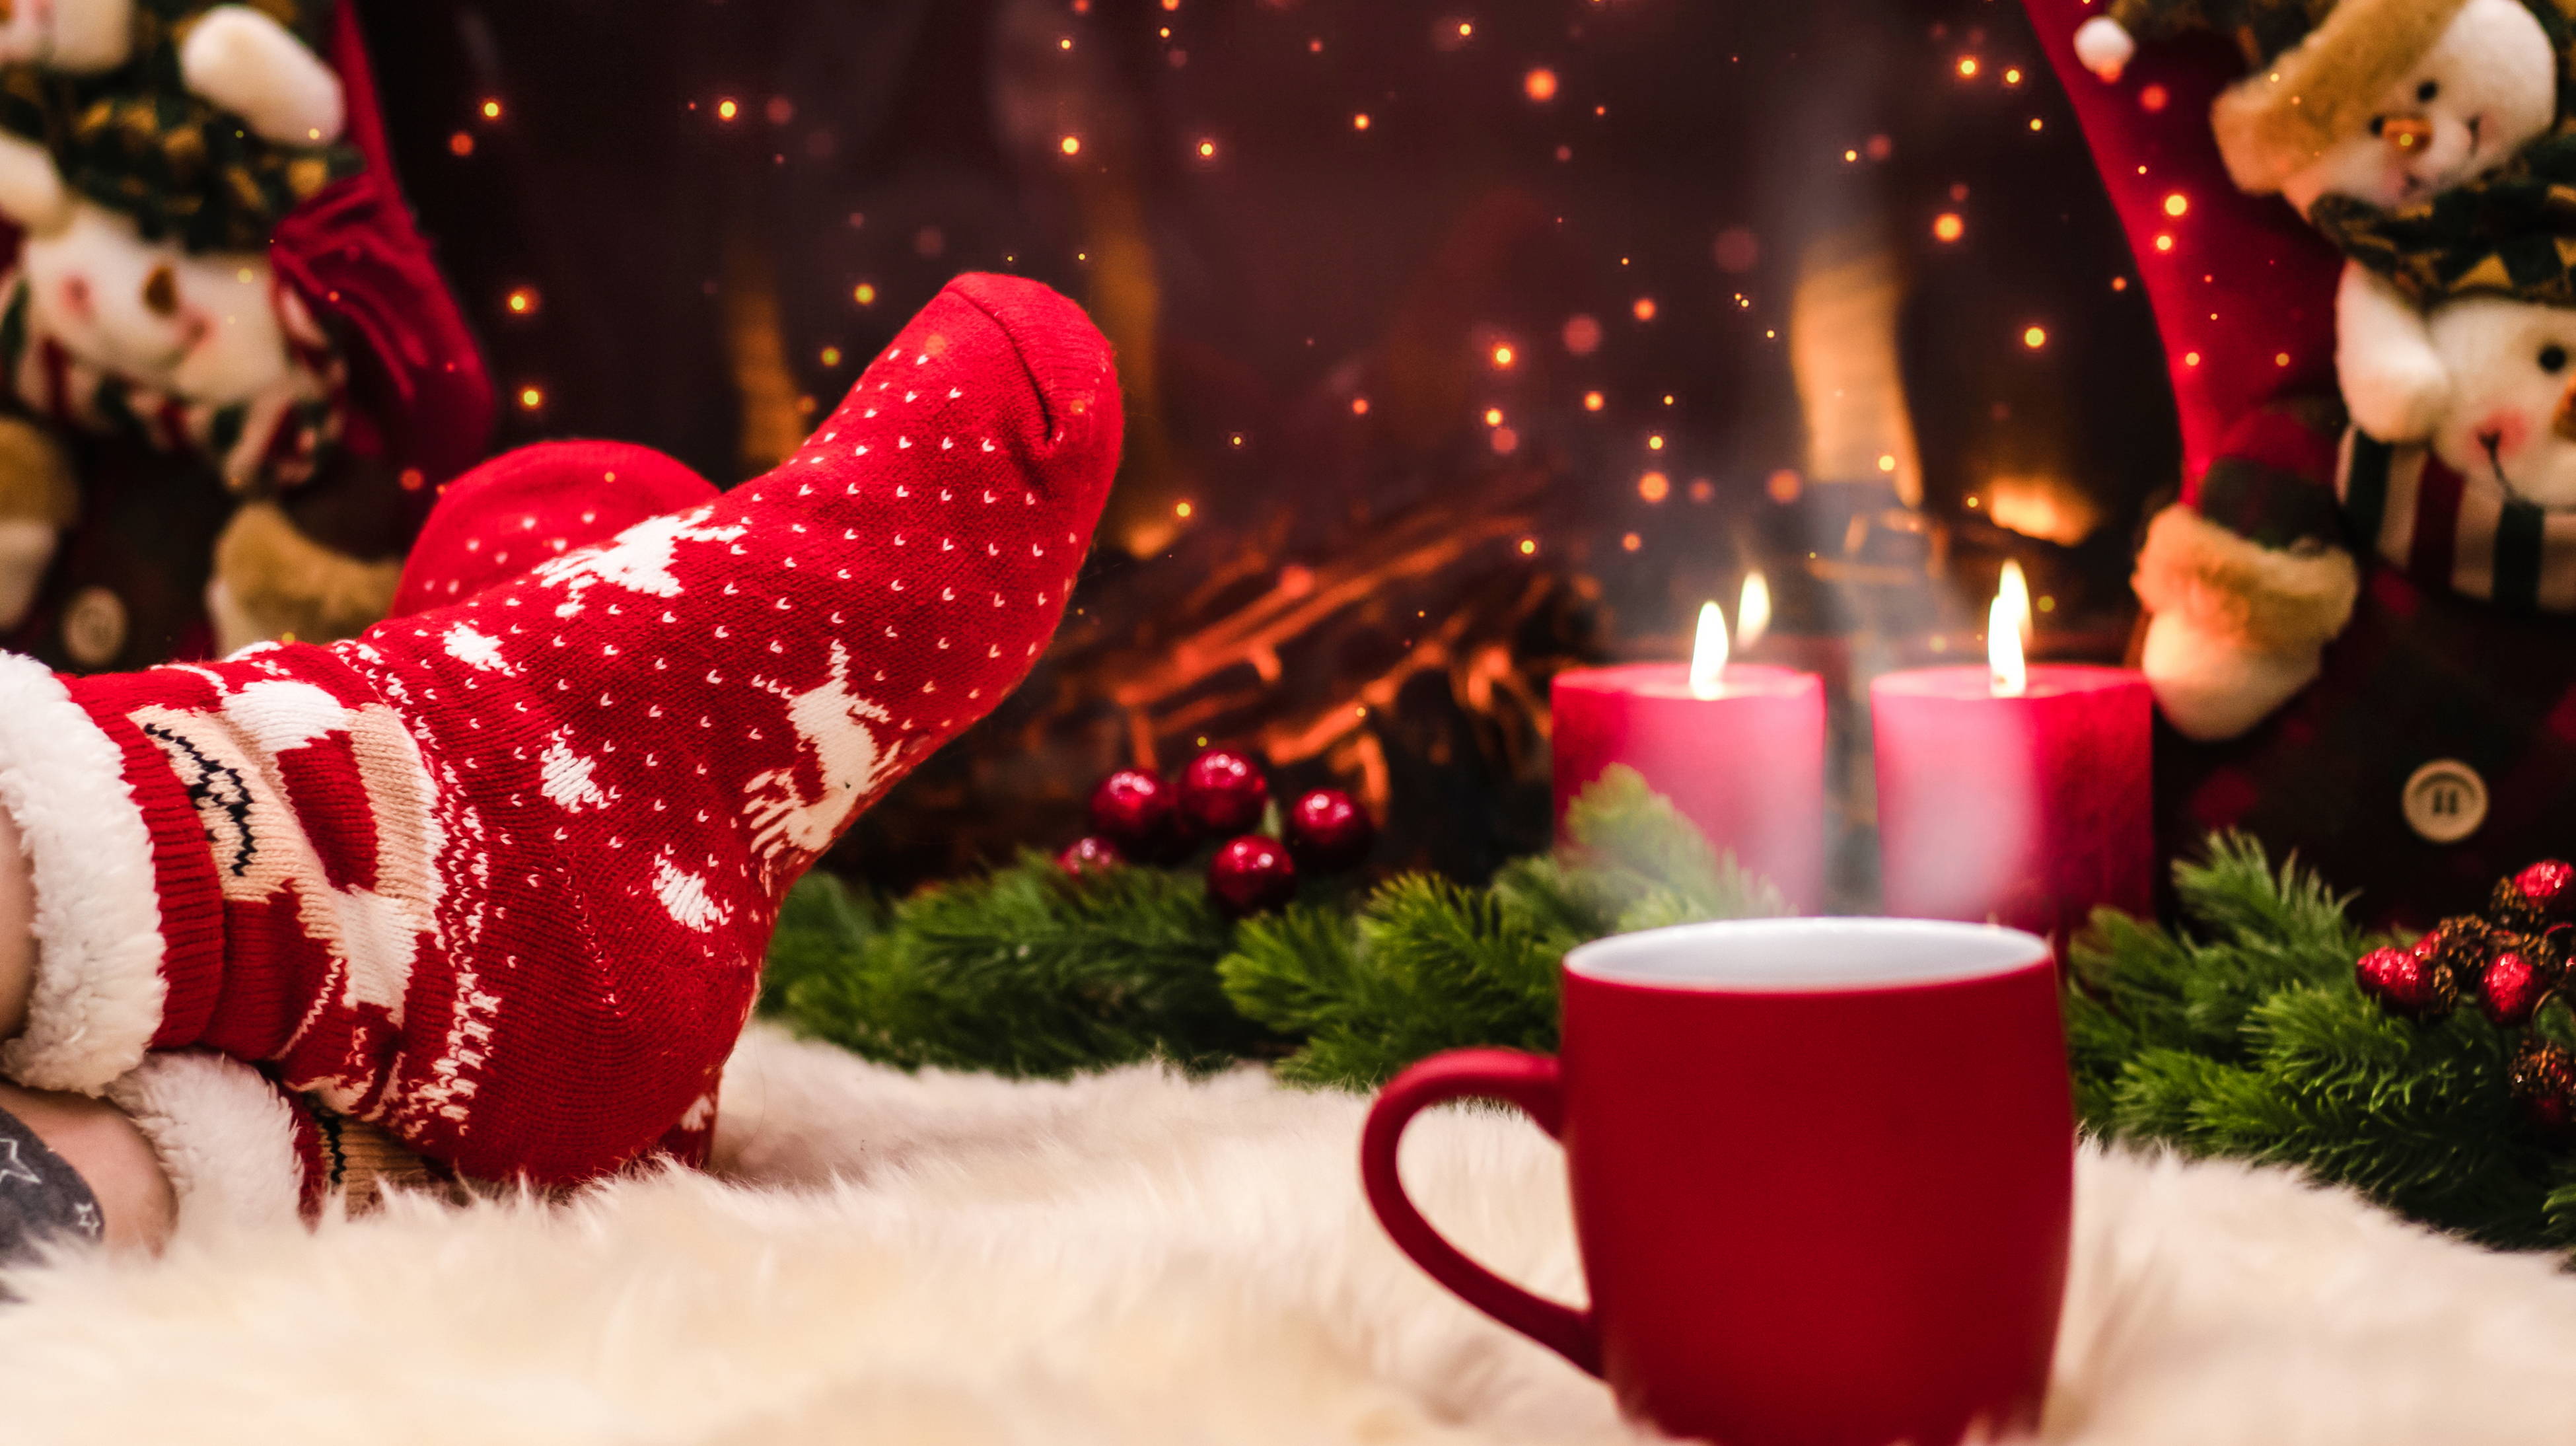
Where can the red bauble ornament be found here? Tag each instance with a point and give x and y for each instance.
(1222, 792)
(1328, 830)
(2544, 1087)
(2405, 982)
(2511, 989)
(1088, 856)
(1132, 808)
(2550, 886)
(1251, 874)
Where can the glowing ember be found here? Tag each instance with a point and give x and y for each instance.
(1948, 226)
(2034, 337)
(1539, 84)
(1654, 487)
(1070, 145)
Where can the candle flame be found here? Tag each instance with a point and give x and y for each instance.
(2003, 648)
(2015, 589)
(1708, 655)
(1753, 611)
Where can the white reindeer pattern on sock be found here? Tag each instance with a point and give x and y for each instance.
(639, 560)
(833, 723)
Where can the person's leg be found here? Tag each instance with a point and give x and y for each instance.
(17, 930)
(500, 877)
(109, 1154)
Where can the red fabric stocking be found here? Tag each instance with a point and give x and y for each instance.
(2243, 291)
(536, 503)
(500, 876)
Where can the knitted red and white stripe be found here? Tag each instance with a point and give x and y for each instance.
(2465, 533)
(500, 876)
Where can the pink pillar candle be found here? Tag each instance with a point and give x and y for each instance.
(2030, 809)
(1747, 765)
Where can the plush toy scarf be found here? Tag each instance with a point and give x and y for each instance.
(2468, 534)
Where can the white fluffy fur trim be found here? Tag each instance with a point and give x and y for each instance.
(98, 990)
(245, 62)
(2233, 588)
(224, 1134)
(1134, 1260)
(2104, 46)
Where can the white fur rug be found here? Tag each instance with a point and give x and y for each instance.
(1132, 1258)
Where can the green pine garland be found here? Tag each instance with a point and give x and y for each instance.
(2244, 1035)
(2239, 1033)
(1029, 972)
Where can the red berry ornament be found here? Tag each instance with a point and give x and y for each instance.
(2550, 886)
(1088, 856)
(2404, 982)
(1222, 792)
(1328, 830)
(2511, 989)
(1132, 809)
(1251, 874)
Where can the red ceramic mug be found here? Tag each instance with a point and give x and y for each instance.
(1822, 1174)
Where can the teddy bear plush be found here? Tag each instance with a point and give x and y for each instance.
(2350, 631)
(2378, 108)
(203, 240)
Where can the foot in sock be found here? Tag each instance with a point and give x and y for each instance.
(499, 877)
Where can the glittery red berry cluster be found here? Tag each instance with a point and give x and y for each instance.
(2508, 961)
(1223, 796)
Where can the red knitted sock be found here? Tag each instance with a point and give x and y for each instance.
(536, 503)
(500, 876)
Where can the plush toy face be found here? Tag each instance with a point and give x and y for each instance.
(200, 327)
(78, 35)
(2512, 414)
(2485, 89)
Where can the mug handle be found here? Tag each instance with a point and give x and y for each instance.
(1529, 1083)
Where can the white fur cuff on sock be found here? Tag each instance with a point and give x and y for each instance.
(99, 989)
(224, 1134)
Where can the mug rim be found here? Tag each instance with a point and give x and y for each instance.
(1762, 956)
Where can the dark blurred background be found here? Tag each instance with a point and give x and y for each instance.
(1462, 342)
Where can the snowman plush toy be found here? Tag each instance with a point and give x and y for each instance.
(157, 157)
(2358, 628)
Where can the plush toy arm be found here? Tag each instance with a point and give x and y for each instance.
(31, 189)
(2238, 627)
(272, 581)
(247, 63)
(37, 501)
(2394, 384)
